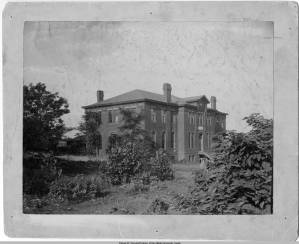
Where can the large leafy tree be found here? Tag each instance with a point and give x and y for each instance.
(90, 128)
(42, 122)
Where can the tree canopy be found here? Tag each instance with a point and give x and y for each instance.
(42, 122)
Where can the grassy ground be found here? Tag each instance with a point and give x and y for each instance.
(120, 200)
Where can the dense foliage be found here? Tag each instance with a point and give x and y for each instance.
(130, 150)
(160, 166)
(39, 171)
(239, 181)
(90, 128)
(42, 123)
(47, 180)
(78, 188)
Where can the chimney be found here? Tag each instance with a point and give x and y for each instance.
(100, 96)
(167, 92)
(213, 102)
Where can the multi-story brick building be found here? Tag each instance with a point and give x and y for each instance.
(182, 126)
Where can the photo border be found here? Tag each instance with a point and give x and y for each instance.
(281, 225)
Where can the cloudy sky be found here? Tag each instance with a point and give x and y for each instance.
(230, 60)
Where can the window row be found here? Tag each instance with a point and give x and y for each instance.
(115, 117)
(164, 139)
(163, 116)
(192, 118)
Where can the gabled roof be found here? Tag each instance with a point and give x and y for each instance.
(196, 98)
(139, 95)
(216, 111)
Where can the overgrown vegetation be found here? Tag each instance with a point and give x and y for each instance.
(130, 150)
(39, 171)
(79, 188)
(160, 166)
(48, 179)
(239, 181)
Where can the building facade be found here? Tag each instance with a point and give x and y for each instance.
(184, 127)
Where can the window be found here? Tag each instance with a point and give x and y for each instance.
(191, 140)
(173, 140)
(133, 111)
(153, 115)
(100, 141)
(209, 120)
(100, 116)
(154, 137)
(113, 117)
(113, 138)
(164, 140)
(109, 116)
(191, 118)
(174, 118)
(163, 114)
(200, 120)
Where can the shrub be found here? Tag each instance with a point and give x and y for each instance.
(129, 151)
(124, 163)
(158, 206)
(239, 181)
(78, 188)
(39, 171)
(161, 166)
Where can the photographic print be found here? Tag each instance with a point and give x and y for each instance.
(154, 118)
(160, 121)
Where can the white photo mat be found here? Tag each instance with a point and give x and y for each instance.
(281, 225)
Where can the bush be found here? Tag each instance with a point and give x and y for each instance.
(39, 171)
(129, 150)
(78, 188)
(127, 159)
(161, 166)
(158, 206)
(239, 181)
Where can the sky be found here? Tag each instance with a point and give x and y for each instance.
(230, 60)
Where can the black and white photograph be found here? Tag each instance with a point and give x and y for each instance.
(162, 121)
(148, 117)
